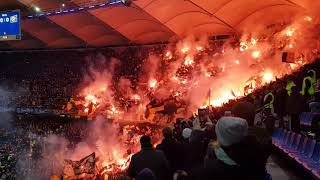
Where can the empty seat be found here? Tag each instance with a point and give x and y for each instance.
(307, 153)
(314, 162)
(282, 138)
(288, 141)
(294, 145)
(300, 149)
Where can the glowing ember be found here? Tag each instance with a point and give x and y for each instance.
(307, 18)
(256, 54)
(223, 98)
(207, 74)
(185, 49)
(290, 45)
(267, 76)
(136, 97)
(91, 98)
(293, 66)
(243, 46)
(177, 94)
(199, 48)
(113, 109)
(254, 41)
(290, 32)
(103, 89)
(169, 55)
(153, 83)
(184, 81)
(188, 61)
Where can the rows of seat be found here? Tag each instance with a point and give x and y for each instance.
(306, 118)
(303, 150)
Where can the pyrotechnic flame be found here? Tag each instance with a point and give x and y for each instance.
(113, 109)
(207, 74)
(199, 48)
(185, 49)
(256, 54)
(267, 76)
(223, 98)
(188, 61)
(169, 55)
(243, 46)
(290, 32)
(254, 41)
(176, 94)
(103, 89)
(91, 98)
(136, 97)
(307, 18)
(153, 83)
(293, 66)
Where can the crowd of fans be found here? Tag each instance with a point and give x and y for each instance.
(236, 146)
(226, 143)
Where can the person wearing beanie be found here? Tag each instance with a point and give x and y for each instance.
(246, 111)
(186, 133)
(148, 158)
(236, 154)
(231, 130)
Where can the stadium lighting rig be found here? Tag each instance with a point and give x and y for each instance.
(111, 3)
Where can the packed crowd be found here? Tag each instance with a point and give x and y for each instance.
(236, 146)
(227, 142)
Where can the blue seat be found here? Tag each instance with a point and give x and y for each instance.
(288, 141)
(295, 144)
(282, 138)
(307, 153)
(306, 118)
(302, 144)
(314, 162)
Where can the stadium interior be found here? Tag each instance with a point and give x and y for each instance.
(159, 89)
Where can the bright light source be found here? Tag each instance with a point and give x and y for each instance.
(153, 83)
(37, 9)
(290, 46)
(188, 61)
(63, 5)
(243, 46)
(256, 54)
(307, 18)
(185, 49)
(199, 48)
(253, 41)
(290, 32)
(237, 61)
(267, 76)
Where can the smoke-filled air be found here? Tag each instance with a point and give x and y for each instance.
(190, 74)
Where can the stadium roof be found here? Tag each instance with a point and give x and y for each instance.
(143, 21)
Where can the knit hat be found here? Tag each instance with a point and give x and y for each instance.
(231, 130)
(186, 133)
(145, 174)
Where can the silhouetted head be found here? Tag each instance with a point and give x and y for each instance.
(145, 142)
